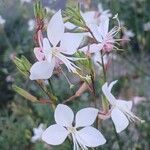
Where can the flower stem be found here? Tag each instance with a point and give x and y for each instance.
(50, 95)
(103, 66)
(118, 139)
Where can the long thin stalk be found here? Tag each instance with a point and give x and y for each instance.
(118, 139)
(51, 97)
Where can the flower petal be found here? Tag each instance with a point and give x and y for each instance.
(93, 48)
(90, 137)
(119, 119)
(124, 104)
(95, 32)
(103, 26)
(70, 42)
(64, 115)
(69, 25)
(107, 93)
(112, 84)
(41, 70)
(47, 50)
(82, 120)
(55, 135)
(89, 17)
(38, 53)
(55, 28)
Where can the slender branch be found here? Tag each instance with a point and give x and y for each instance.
(51, 97)
(118, 139)
(103, 66)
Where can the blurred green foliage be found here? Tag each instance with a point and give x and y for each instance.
(18, 117)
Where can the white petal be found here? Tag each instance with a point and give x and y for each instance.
(96, 33)
(82, 120)
(69, 25)
(90, 137)
(124, 104)
(89, 17)
(55, 135)
(107, 93)
(55, 28)
(119, 119)
(64, 115)
(47, 49)
(104, 25)
(70, 42)
(41, 70)
(93, 48)
(112, 84)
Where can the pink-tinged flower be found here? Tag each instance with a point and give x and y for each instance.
(121, 109)
(105, 38)
(82, 133)
(38, 133)
(54, 48)
(38, 51)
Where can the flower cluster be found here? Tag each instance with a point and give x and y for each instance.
(87, 34)
(52, 50)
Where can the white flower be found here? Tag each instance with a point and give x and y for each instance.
(37, 133)
(146, 26)
(121, 109)
(2, 21)
(31, 25)
(55, 48)
(81, 131)
(105, 38)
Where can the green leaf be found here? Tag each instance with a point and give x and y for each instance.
(26, 63)
(24, 93)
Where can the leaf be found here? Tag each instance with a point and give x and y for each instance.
(24, 93)
(26, 63)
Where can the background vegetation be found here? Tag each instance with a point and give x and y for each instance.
(18, 117)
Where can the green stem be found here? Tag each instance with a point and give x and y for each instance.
(118, 139)
(103, 66)
(51, 96)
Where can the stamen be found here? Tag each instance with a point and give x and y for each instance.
(131, 116)
(70, 84)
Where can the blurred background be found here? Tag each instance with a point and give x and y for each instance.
(18, 117)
